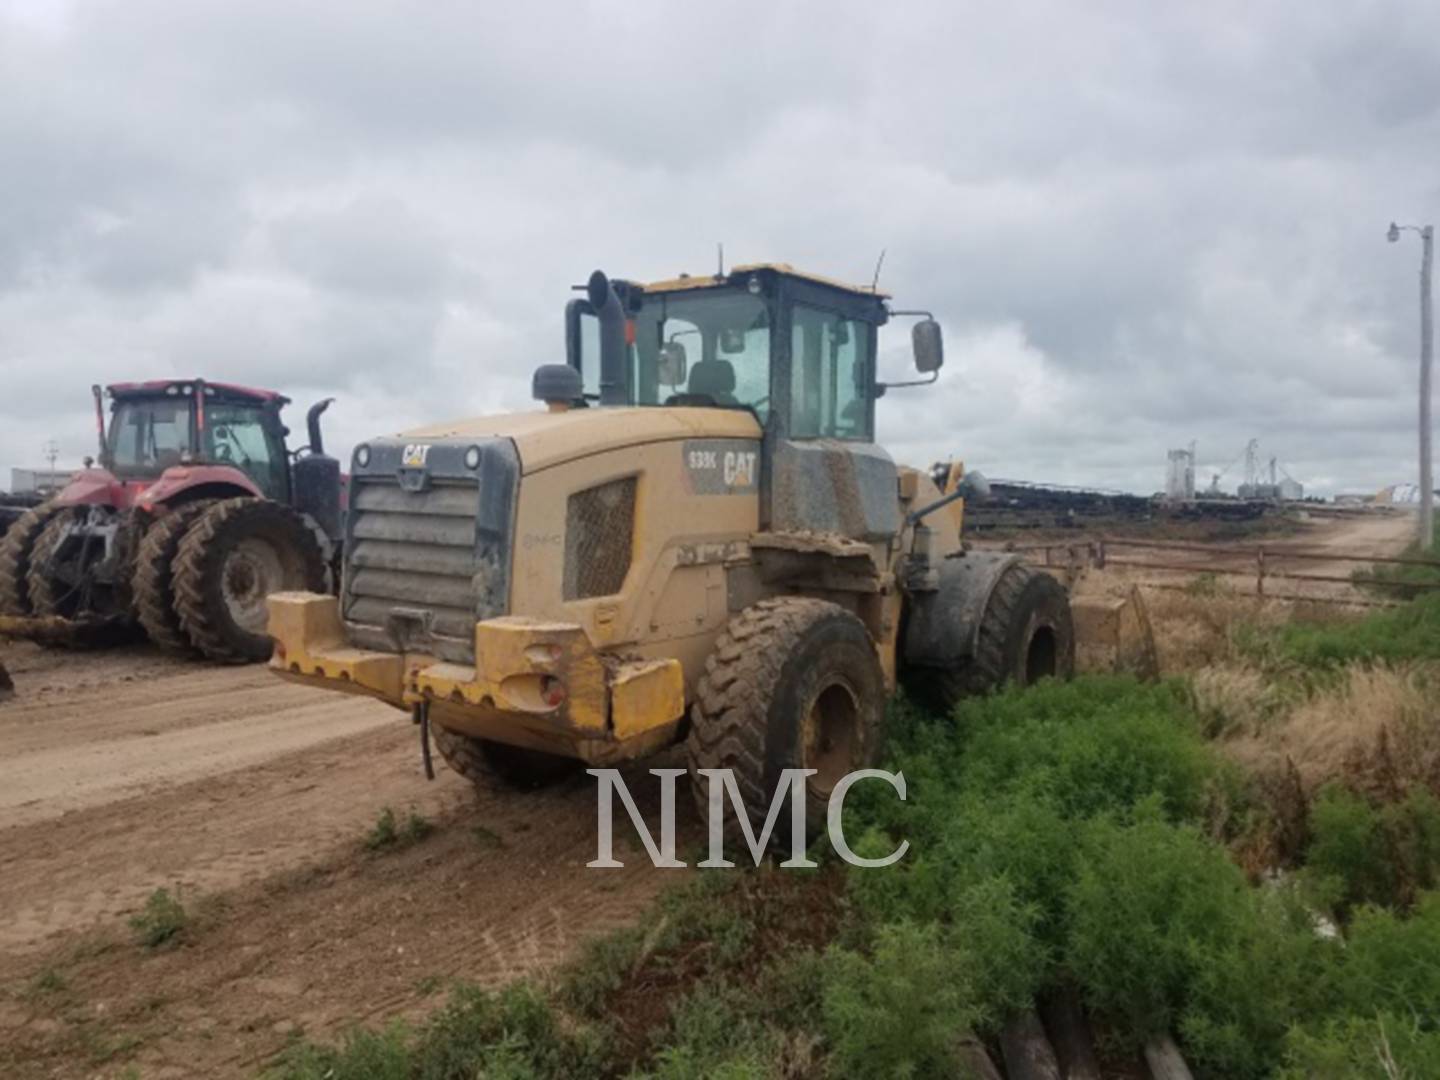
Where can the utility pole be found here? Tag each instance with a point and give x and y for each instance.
(1427, 342)
(52, 451)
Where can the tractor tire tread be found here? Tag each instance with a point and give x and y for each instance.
(15, 551)
(153, 583)
(195, 577)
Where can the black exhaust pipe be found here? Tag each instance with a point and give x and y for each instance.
(614, 360)
(312, 424)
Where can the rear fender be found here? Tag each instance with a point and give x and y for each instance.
(185, 482)
(944, 625)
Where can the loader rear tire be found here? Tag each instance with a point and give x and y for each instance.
(234, 555)
(15, 551)
(1026, 634)
(154, 583)
(484, 761)
(792, 683)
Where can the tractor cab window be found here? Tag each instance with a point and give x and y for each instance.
(149, 436)
(711, 347)
(830, 372)
(242, 436)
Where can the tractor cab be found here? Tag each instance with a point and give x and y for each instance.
(796, 350)
(161, 425)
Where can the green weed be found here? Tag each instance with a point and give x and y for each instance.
(162, 921)
(390, 832)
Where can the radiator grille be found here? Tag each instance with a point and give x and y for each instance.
(599, 533)
(416, 552)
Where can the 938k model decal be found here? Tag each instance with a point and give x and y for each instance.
(722, 466)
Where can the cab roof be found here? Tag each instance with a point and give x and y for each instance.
(153, 387)
(711, 281)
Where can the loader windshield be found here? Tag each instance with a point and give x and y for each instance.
(148, 435)
(703, 348)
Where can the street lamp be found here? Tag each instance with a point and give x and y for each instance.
(1427, 487)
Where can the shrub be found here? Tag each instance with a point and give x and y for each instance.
(897, 1012)
(1385, 1046)
(1348, 846)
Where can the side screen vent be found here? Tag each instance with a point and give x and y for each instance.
(599, 533)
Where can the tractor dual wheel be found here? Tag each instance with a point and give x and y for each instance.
(153, 583)
(90, 586)
(792, 683)
(15, 552)
(483, 761)
(233, 556)
(1026, 634)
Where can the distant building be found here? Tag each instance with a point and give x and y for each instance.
(1180, 475)
(23, 481)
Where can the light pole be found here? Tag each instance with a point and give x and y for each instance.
(1427, 336)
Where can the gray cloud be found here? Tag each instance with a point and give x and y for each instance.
(1140, 224)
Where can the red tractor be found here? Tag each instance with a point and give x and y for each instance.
(196, 511)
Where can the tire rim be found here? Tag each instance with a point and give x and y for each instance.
(829, 734)
(252, 572)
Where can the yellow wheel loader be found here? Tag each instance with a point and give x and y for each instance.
(697, 539)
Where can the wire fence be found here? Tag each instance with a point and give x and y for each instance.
(1259, 566)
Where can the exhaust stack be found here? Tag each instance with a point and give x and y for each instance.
(613, 346)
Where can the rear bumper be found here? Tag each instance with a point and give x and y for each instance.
(612, 710)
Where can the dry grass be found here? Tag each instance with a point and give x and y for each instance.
(1194, 623)
(1376, 729)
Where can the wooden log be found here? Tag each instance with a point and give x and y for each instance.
(1070, 1036)
(1165, 1060)
(1027, 1050)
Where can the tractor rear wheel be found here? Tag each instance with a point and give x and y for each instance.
(15, 553)
(153, 583)
(793, 683)
(482, 761)
(1026, 634)
(49, 595)
(235, 554)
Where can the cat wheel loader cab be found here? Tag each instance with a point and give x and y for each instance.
(697, 538)
(194, 513)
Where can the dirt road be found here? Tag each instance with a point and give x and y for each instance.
(126, 771)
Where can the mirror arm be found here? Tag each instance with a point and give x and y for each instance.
(883, 386)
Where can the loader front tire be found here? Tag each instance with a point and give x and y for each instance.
(154, 584)
(484, 761)
(16, 550)
(235, 554)
(792, 683)
(1026, 634)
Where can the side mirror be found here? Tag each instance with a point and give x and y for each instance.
(928, 345)
(672, 366)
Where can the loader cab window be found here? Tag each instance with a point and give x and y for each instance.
(830, 375)
(149, 436)
(248, 439)
(709, 347)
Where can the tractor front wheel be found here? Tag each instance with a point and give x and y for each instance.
(235, 554)
(793, 683)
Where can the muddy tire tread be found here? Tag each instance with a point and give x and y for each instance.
(153, 583)
(15, 551)
(198, 606)
(730, 718)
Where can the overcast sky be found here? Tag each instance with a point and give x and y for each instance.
(1142, 225)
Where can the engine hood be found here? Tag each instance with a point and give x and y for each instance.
(543, 439)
